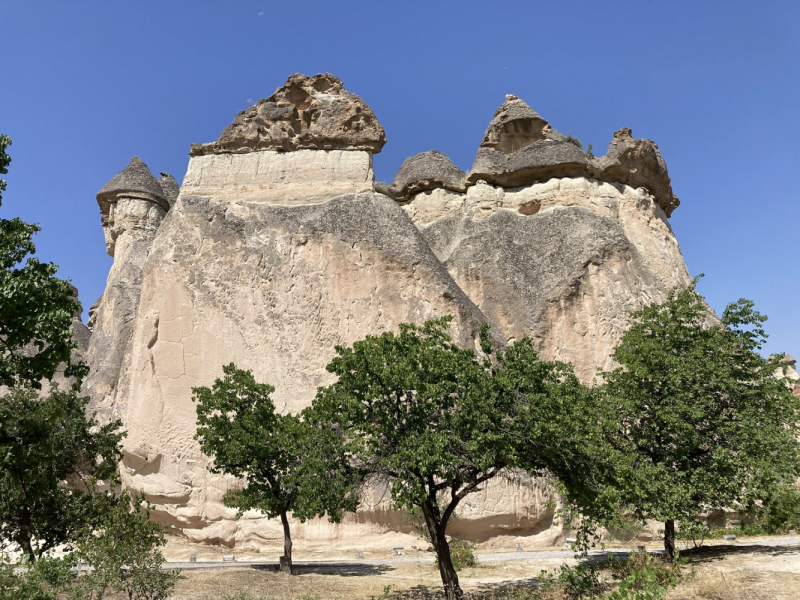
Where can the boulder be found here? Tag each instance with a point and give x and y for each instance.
(305, 113)
(424, 171)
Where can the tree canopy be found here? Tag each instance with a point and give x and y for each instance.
(288, 463)
(36, 308)
(438, 421)
(697, 411)
(51, 455)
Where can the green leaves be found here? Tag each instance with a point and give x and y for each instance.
(290, 462)
(124, 552)
(36, 308)
(697, 412)
(51, 455)
(5, 160)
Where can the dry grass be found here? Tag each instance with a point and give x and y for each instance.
(720, 573)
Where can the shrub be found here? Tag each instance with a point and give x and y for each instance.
(42, 580)
(462, 554)
(573, 140)
(125, 553)
(644, 577)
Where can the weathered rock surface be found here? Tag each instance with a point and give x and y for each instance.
(638, 163)
(169, 187)
(516, 125)
(787, 369)
(132, 206)
(424, 171)
(563, 261)
(540, 160)
(305, 113)
(520, 148)
(272, 288)
(287, 178)
(276, 248)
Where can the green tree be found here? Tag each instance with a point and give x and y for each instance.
(439, 422)
(697, 411)
(36, 308)
(124, 551)
(289, 464)
(47, 579)
(51, 456)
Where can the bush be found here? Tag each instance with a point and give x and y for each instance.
(782, 510)
(573, 140)
(43, 580)
(462, 555)
(644, 577)
(125, 553)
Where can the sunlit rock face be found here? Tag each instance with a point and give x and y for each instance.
(132, 206)
(279, 245)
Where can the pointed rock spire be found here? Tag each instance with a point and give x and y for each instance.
(135, 179)
(169, 186)
(514, 126)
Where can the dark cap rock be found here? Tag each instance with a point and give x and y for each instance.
(424, 171)
(305, 113)
(136, 180)
(540, 160)
(637, 162)
(514, 126)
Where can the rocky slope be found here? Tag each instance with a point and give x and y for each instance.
(280, 245)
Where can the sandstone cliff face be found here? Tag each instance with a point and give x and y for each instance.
(564, 261)
(280, 245)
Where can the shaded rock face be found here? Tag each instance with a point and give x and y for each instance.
(278, 247)
(424, 171)
(305, 113)
(563, 262)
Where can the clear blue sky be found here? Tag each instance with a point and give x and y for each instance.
(86, 85)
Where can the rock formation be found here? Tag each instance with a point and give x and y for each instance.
(280, 245)
(787, 370)
(132, 205)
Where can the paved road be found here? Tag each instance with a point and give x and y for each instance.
(494, 557)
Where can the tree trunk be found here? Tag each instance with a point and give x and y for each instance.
(436, 529)
(669, 539)
(27, 548)
(287, 545)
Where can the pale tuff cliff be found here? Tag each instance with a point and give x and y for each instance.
(280, 245)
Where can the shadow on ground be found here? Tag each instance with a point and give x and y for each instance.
(705, 554)
(339, 569)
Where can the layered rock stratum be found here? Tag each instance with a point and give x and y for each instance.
(280, 245)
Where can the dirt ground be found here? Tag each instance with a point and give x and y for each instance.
(732, 571)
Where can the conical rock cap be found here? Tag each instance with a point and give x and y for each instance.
(136, 179)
